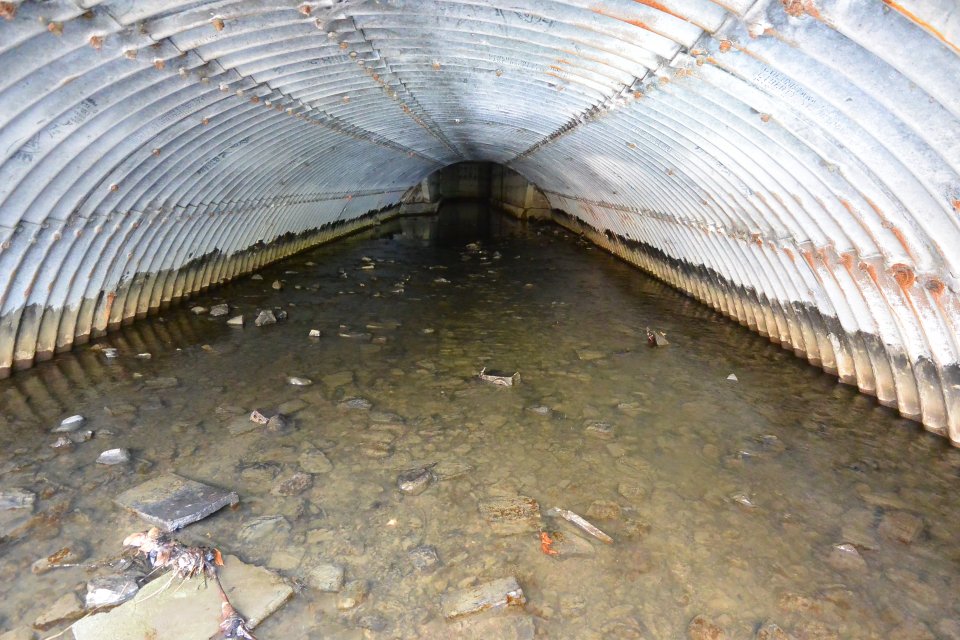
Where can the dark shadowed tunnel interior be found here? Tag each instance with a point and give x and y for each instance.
(427, 187)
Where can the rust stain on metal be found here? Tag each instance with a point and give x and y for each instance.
(914, 18)
(653, 4)
(56, 28)
(904, 275)
(800, 8)
(96, 42)
(159, 64)
(111, 296)
(956, 204)
(217, 23)
(305, 9)
(637, 23)
(936, 288)
(902, 239)
(765, 117)
(846, 259)
(7, 10)
(725, 46)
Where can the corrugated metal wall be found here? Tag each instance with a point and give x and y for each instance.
(793, 162)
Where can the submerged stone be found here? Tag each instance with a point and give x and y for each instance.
(161, 611)
(497, 594)
(171, 501)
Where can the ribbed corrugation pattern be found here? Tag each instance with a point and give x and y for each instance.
(794, 163)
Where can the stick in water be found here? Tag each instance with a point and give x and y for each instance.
(570, 516)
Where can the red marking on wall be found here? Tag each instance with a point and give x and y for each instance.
(914, 18)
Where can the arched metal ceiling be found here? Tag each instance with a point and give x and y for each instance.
(800, 156)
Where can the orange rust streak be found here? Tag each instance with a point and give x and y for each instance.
(923, 23)
(653, 4)
(636, 23)
(902, 239)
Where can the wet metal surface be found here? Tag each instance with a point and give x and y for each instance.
(780, 498)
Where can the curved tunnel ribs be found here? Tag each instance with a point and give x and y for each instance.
(792, 163)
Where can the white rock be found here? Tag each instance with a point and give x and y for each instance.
(236, 321)
(219, 310)
(732, 377)
(299, 382)
(109, 591)
(314, 333)
(198, 310)
(70, 424)
(114, 456)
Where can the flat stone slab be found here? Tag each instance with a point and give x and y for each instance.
(509, 515)
(497, 594)
(191, 611)
(172, 502)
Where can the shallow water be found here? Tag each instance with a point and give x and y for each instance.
(723, 498)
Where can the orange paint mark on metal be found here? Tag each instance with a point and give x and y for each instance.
(800, 8)
(914, 18)
(904, 276)
(7, 10)
(555, 67)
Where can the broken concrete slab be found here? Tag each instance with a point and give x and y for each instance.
(169, 611)
(496, 594)
(172, 502)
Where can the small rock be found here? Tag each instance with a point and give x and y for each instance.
(377, 450)
(265, 317)
(278, 423)
(604, 510)
(294, 485)
(219, 310)
(772, 632)
(631, 490)
(415, 481)
(263, 528)
(372, 622)
(281, 315)
(110, 352)
(170, 501)
(845, 557)
(361, 404)
(277, 285)
(744, 501)
(325, 577)
(198, 310)
(235, 321)
(701, 628)
(256, 276)
(602, 430)
(299, 382)
(314, 333)
(110, 591)
(424, 558)
(145, 355)
(260, 416)
(67, 609)
(17, 499)
(315, 461)
(352, 594)
(70, 424)
(901, 526)
(540, 410)
(732, 377)
(74, 554)
(497, 594)
(114, 456)
(63, 442)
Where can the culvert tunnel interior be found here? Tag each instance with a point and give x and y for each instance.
(780, 160)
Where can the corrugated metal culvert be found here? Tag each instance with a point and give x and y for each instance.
(793, 163)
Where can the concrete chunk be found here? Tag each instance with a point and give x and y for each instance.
(172, 502)
(500, 593)
(170, 611)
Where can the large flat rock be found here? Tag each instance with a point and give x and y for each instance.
(165, 610)
(172, 502)
(497, 594)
